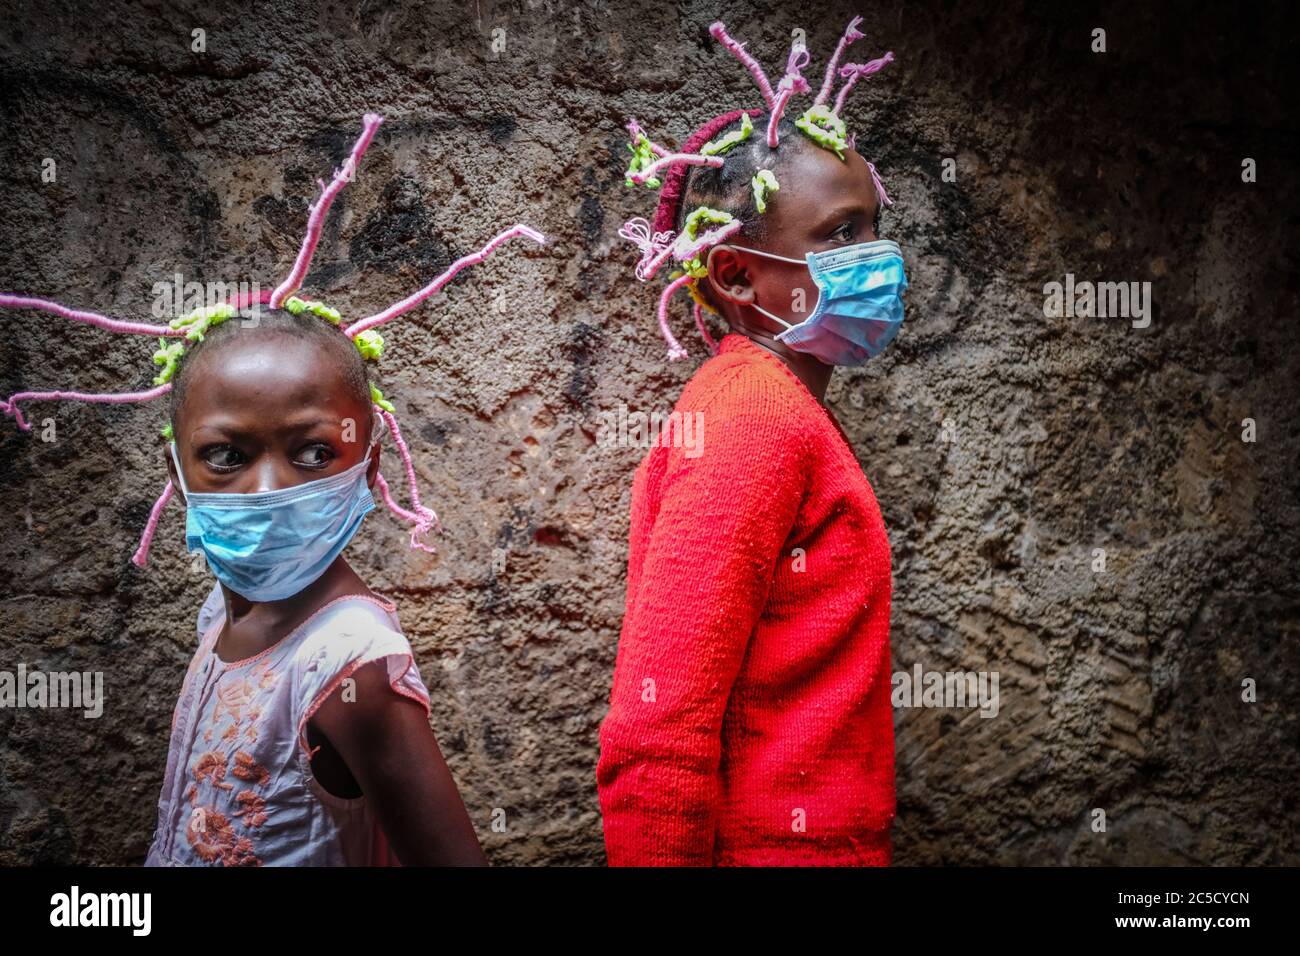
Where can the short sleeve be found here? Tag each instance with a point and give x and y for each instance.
(343, 638)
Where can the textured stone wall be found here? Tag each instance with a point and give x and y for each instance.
(1005, 447)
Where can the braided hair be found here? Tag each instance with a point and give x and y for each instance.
(717, 185)
(184, 340)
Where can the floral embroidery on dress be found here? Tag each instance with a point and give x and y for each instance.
(268, 678)
(254, 812)
(232, 699)
(211, 766)
(211, 832)
(215, 840)
(246, 768)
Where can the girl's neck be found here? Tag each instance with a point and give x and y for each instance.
(252, 626)
(815, 374)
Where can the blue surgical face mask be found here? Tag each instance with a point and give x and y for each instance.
(859, 305)
(269, 545)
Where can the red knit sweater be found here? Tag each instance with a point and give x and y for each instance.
(750, 719)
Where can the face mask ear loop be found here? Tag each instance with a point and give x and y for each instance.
(775, 318)
(378, 428)
(772, 255)
(179, 474)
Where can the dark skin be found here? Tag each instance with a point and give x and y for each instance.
(270, 411)
(824, 203)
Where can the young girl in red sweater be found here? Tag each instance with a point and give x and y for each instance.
(750, 719)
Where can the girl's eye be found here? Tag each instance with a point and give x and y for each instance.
(843, 232)
(222, 457)
(315, 456)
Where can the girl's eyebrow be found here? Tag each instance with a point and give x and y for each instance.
(846, 211)
(234, 429)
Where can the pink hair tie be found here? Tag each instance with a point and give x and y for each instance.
(880, 186)
(672, 159)
(675, 351)
(792, 83)
(634, 130)
(141, 556)
(410, 302)
(10, 407)
(316, 220)
(719, 32)
(92, 318)
(655, 247)
(422, 519)
(851, 35)
(704, 331)
(852, 72)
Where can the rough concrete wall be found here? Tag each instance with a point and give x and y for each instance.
(1004, 446)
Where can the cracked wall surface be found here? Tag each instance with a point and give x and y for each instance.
(1005, 447)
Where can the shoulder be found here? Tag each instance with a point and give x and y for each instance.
(347, 629)
(748, 405)
(341, 638)
(744, 381)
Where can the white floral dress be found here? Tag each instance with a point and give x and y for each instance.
(238, 789)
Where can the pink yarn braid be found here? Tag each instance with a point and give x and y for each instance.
(851, 35)
(720, 34)
(708, 240)
(423, 519)
(792, 83)
(94, 318)
(688, 159)
(410, 302)
(682, 253)
(636, 132)
(655, 247)
(10, 407)
(782, 99)
(316, 221)
(704, 331)
(670, 194)
(244, 299)
(675, 351)
(647, 268)
(856, 71)
(880, 186)
(141, 556)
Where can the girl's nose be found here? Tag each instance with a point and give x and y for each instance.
(268, 477)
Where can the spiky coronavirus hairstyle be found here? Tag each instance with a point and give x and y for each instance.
(716, 185)
(189, 331)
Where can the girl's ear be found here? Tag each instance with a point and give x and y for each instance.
(729, 276)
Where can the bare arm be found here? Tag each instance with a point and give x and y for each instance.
(387, 744)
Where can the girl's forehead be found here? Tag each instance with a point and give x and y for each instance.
(268, 378)
(814, 180)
